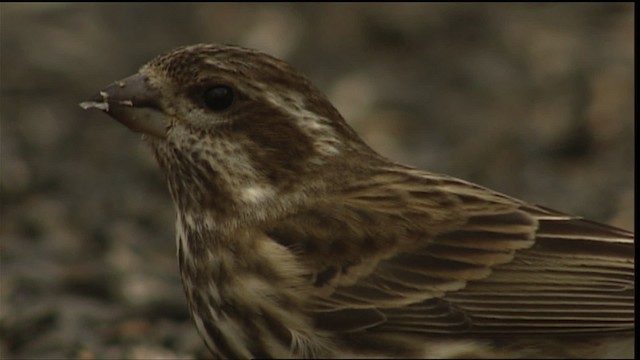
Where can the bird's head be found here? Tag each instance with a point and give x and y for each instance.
(233, 127)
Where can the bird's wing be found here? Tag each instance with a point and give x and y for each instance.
(408, 251)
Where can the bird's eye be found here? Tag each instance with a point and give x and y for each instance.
(218, 97)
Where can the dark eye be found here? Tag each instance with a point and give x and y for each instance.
(218, 97)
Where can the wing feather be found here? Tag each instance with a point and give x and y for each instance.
(437, 255)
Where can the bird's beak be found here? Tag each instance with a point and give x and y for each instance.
(133, 102)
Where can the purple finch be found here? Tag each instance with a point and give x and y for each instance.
(296, 239)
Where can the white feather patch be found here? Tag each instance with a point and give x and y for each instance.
(255, 194)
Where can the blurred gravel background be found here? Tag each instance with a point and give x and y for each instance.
(534, 100)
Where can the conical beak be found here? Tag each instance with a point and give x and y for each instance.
(134, 103)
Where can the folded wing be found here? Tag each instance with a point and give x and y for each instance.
(408, 251)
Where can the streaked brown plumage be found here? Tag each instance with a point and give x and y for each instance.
(295, 239)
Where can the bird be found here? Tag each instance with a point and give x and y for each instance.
(295, 239)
